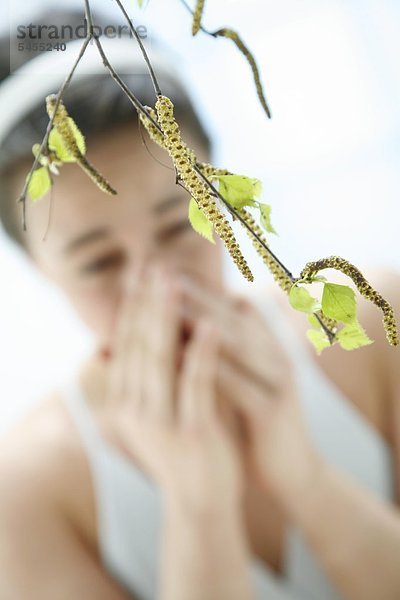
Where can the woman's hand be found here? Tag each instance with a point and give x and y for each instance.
(255, 377)
(162, 409)
(167, 419)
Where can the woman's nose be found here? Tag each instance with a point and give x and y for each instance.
(135, 272)
(132, 275)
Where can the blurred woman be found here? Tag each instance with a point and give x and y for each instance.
(203, 451)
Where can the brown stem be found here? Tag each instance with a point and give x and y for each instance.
(43, 145)
(142, 48)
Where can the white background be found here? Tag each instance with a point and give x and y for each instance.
(329, 159)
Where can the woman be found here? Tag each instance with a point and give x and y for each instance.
(203, 451)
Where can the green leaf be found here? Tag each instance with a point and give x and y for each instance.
(312, 319)
(39, 184)
(339, 302)
(318, 339)
(239, 190)
(353, 336)
(301, 299)
(199, 221)
(56, 144)
(265, 214)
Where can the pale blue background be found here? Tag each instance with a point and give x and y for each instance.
(329, 159)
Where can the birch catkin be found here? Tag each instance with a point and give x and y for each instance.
(284, 281)
(199, 191)
(234, 36)
(61, 122)
(158, 137)
(197, 14)
(279, 274)
(210, 172)
(151, 129)
(365, 289)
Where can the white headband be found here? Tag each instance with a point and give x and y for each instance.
(44, 74)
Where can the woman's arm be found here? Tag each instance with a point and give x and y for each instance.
(205, 553)
(204, 557)
(355, 535)
(167, 419)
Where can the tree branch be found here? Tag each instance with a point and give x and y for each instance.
(142, 48)
(43, 145)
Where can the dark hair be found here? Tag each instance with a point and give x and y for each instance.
(110, 108)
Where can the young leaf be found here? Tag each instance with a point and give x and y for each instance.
(318, 339)
(353, 336)
(301, 299)
(39, 184)
(312, 319)
(56, 144)
(339, 302)
(265, 213)
(239, 190)
(199, 221)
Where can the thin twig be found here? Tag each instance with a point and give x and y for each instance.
(186, 5)
(235, 214)
(50, 213)
(139, 107)
(135, 101)
(43, 145)
(148, 149)
(142, 48)
(236, 39)
(238, 216)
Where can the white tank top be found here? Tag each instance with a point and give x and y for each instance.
(129, 507)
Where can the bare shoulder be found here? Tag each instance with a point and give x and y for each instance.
(374, 364)
(46, 548)
(42, 461)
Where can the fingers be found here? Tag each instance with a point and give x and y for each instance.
(245, 337)
(196, 388)
(143, 369)
(123, 336)
(160, 340)
(245, 394)
(202, 301)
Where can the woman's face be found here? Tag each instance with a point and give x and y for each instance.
(95, 241)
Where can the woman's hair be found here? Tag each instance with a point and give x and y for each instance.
(95, 102)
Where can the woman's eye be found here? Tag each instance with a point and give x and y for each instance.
(174, 229)
(103, 263)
